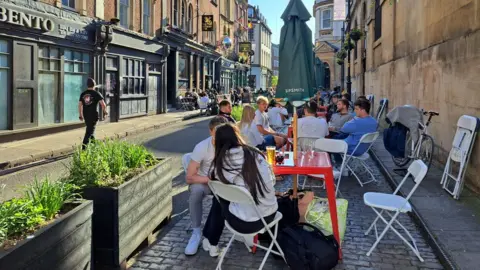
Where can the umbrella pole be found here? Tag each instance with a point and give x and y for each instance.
(295, 152)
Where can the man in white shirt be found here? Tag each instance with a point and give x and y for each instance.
(270, 138)
(276, 115)
(197, 177)
(311, 128)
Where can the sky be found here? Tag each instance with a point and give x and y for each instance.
(273, 9)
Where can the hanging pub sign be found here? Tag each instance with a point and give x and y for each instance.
(245, 47)
(207, 23)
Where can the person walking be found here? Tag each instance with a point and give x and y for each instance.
(87, 109)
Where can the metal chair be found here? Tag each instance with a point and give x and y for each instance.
(235, 194)
(388, 203)
(369, 139)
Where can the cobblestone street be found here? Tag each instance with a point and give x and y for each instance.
(391, 253)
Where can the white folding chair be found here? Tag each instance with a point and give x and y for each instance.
(185, 161)
(369, 139)
(334, 147)
(397, 204)
(235, 194)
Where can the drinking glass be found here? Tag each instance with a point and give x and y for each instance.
(271, 155)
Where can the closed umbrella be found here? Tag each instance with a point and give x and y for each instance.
(296, 74)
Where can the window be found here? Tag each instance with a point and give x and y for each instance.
(226, 11)
(251, 34)
(184, 13)
(146, 16)
(190, 18)
(378, 20)
(175, 12)
(133, 79)
(326, 19)
(124, 8)
(250, 13)
(77, 70)
(183, 74)
(4, 83)
(48, 80)
(68, 3)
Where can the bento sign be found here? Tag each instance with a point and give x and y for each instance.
(26, 20)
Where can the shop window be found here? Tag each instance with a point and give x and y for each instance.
(77, 70)
(48, 85)
(124, 9)
(183, 72)
(378, 19)
(4, 83)
(146, 16)
(68, 4)
(133, 79)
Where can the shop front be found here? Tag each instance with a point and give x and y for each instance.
(45, 61)
(133, 79)
(227, 75)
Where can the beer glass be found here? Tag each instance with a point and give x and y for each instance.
(271, 155)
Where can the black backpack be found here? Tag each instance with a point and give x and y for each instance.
(307, 248)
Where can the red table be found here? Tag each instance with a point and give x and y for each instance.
(319, 163)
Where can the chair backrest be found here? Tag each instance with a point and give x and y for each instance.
(231, 193)
(418, 170)
(185, 161)
(369, 139)
(331, 146)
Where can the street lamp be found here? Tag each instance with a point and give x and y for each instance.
(349, 79)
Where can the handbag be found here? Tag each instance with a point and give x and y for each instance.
(306, 248)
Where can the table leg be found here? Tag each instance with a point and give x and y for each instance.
(332, 204)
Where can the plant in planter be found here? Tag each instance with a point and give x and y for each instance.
(339, 61)
(341, 54)
(46, 228)
(356, 34)
(131, 193)
(348, 45)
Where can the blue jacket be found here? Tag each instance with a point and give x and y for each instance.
(356, 128)
(394, 138)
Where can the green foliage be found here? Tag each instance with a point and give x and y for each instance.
(274, 81)
(339, 61)
(237, 112)
(341, 54)
(19, 216)
(108, 163)
(356, 34)
(50, 195)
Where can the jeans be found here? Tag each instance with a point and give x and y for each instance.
(216, 222)
(89, 132)
(195, 205)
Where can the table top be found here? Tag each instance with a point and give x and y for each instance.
(319, 163)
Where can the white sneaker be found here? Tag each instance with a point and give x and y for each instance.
(193, 243)
(212, 250)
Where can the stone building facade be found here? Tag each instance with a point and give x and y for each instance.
(424, 53)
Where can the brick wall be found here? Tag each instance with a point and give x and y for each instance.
(110, 9)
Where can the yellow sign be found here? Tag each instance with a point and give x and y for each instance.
(207, 23)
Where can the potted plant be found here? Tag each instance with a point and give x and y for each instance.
(48, 228)
(340, 61)
(356, 34)
(348, 45)
(131, 191)
(341, 54)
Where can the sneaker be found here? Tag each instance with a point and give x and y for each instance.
(193, 243)
(212, 250)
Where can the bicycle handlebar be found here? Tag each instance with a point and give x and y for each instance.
(431, 113)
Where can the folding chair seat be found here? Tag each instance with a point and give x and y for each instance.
(392, 203)
(235, 194)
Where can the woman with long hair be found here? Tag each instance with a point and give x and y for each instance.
(248, 128)
(237, 163)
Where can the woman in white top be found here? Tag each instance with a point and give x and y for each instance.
(310, 128)
(248, 128)
(237, 163)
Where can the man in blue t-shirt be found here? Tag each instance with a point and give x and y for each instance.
(362, 124)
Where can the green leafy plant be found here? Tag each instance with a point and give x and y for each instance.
(237, 112)
(50, 195)
(341, 54)
(18, 216)
(356, 34)
(348, 45)
(339, 61)
(108, 163)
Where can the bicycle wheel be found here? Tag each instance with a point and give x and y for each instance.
(426, 150)
(403, 161)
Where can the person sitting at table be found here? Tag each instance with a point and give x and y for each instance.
(276, 116)
(338, 120)
(248, 129)
(270, 138)
(350, 103)
(362, 124)
(310, 128)
(236, 163)
(332, 107)
(226, 110)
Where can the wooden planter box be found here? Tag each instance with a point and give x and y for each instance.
(123, 217)
(63, 244)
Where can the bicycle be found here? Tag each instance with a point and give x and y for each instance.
(421, 149)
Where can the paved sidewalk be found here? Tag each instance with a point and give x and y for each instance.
(391, 253)
(29, 150)
(453, 224)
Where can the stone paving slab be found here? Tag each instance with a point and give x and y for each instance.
(25, 151)
(453, 224)
(391, 253)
